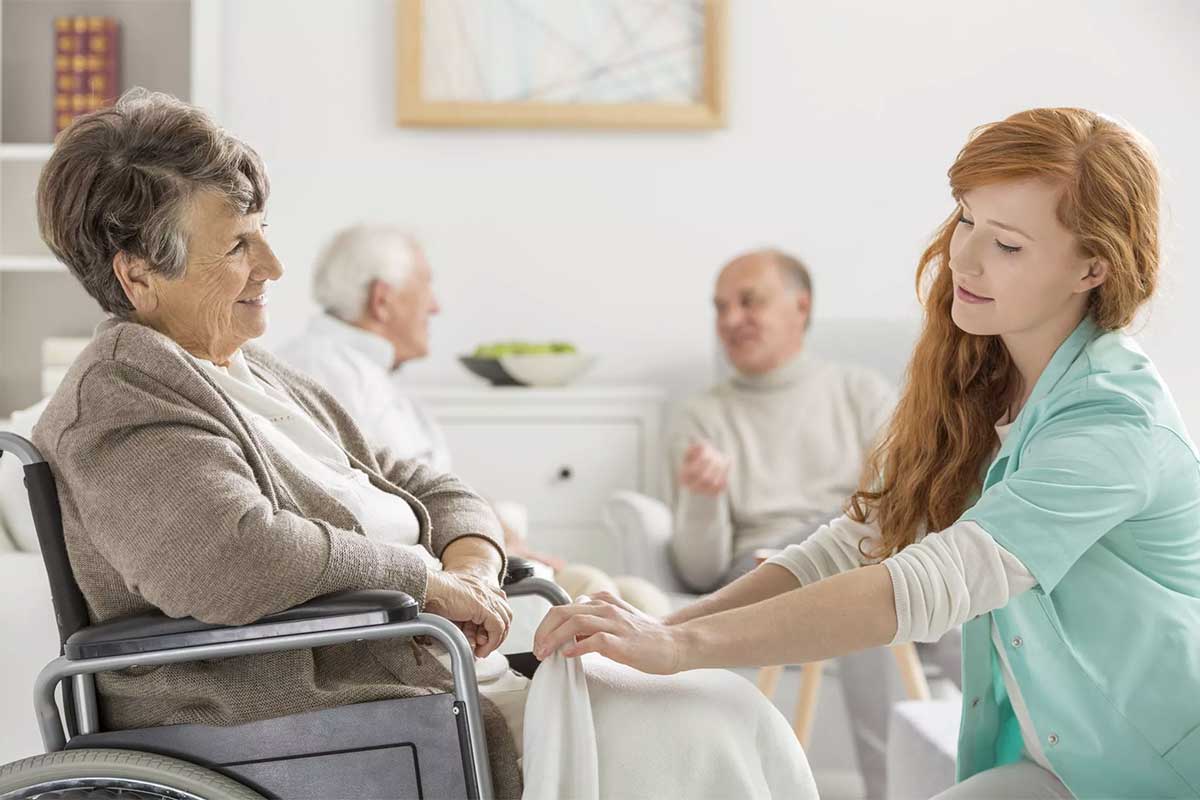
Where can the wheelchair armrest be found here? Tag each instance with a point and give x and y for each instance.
(147, 633)
(518, 570)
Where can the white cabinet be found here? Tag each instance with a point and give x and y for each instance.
(560, 452)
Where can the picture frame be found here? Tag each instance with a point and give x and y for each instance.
(450, 71)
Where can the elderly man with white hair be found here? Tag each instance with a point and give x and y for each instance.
(376, 291)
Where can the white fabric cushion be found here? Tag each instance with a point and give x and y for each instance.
(30, 637)
(14, 502)
(6, 542)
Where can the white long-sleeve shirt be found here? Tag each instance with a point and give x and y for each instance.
(355, 366)
(939, 582)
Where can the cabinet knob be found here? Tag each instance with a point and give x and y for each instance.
(565, 473)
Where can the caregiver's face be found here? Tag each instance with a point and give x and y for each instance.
(1016, 269)
(220, 302)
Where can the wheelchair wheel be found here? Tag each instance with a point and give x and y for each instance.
(116, 774)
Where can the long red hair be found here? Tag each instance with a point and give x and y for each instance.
(928, 466)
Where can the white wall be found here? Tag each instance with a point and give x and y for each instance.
(844, 118)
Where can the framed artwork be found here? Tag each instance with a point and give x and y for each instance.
(568, 63)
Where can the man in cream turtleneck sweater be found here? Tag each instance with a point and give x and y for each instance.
(764, 458)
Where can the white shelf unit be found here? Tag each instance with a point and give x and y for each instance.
(169, 45)
(30, 264)
(25, 152)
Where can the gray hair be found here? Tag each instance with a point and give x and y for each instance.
(794, 272)
(792, 269)
(121, 180)
(354, 259)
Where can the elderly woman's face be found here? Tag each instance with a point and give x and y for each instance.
(220, 302)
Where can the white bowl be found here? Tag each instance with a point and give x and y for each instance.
(546, 369)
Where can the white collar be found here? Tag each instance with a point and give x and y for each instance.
(373, 346)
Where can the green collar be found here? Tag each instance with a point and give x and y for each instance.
(1064, 357)
(1066, 354)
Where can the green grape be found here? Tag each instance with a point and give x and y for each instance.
(521, 347)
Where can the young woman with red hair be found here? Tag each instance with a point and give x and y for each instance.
(1036, 485)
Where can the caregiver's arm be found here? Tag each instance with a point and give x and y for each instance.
(760, 584)
(918, 594)
(831, 550)
(846, 612)
(852, 611)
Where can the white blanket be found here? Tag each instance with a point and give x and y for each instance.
(560, 736)
(597, 729)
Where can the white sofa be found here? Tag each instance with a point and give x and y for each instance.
(27, 628)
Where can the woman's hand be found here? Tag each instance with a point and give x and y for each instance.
(607, 625)
(476, 604)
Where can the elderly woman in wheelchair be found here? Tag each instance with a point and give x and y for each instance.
(199, 478)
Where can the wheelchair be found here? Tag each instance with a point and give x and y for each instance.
(424, 747)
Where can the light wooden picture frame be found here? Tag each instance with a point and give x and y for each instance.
(561, 63)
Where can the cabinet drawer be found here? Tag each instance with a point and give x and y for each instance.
(561, 471)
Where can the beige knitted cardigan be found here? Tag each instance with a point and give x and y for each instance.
(171, 501)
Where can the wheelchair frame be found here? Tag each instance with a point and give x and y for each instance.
(154, 639)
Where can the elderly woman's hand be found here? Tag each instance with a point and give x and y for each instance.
(607, 625)
(478, 606)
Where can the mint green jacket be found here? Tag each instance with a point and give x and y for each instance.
(1097, 491)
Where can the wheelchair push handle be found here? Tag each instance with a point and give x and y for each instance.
(20, 447)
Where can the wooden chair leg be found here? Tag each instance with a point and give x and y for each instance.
(911, 672)
(806, 703)
(768, 680)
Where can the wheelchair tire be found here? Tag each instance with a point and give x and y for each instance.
(116, 774)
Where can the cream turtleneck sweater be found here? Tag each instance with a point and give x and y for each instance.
(796, 437)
